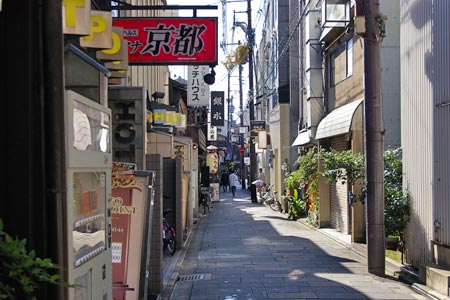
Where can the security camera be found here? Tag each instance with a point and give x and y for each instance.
(210, 78)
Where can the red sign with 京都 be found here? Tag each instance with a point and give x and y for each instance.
(170, 41)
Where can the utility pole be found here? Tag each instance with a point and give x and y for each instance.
(374, 141)
(251, 102)
(241, 136)
(229, 111)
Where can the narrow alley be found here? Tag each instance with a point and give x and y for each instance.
(242, 250)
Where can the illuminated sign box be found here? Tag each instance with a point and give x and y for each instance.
(170, 41)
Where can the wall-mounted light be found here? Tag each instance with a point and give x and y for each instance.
(194, 146)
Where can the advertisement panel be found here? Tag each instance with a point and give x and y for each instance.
(130, 210)
(170, 41)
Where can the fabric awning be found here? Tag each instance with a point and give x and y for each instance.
(303, 138)
(339, 121)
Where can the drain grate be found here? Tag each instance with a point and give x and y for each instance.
(192, 277)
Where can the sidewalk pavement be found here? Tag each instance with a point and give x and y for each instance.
(243, 250)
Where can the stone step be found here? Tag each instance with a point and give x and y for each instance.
(436, 277)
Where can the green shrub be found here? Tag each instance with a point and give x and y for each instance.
(297, 206)
(21, 272)
(396, 198)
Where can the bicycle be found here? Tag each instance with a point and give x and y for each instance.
(205, 199)
(269, 198)
(169, 241)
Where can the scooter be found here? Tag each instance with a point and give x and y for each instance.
(168, 231)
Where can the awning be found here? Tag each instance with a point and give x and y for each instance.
(303, 138)
(339, 121)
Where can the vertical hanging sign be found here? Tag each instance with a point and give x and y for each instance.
(198, 90)
(217, 108)
(212, 130)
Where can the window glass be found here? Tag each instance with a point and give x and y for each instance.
(89, 200)
(349, 57)
(90, 128)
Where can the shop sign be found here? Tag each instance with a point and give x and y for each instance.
(217, 108)
(256, 125)
(117, 55)
(170, 41)
(197, 89)
(262, 139)
(100, 23)
(212, 133)
(75, 15)
(119, 74)
(123, 168)
(165, 117)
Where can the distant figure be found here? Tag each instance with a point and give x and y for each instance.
(233, 179)
(256, 186)
(224, 181)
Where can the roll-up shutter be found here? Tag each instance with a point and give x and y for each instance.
(339, 208)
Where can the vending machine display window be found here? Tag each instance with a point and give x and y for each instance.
(90, 128)
(89, 197)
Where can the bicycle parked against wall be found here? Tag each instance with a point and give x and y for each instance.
(169, 242)
(205, 199)
(269, 198)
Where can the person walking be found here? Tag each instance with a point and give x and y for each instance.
(233, 179)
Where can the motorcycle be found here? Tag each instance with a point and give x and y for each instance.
(168, 231)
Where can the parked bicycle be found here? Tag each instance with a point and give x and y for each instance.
(169, 242)
(269, 198)
(205, 198)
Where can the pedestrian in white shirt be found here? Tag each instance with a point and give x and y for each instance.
(233, 180)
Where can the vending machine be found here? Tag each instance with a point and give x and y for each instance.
(88, 213)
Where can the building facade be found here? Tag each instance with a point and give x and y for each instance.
(425, 114)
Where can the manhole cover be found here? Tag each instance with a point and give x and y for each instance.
(194, 277)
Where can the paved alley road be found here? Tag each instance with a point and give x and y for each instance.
(243, 250)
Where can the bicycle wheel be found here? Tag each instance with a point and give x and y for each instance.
(273, 204)
(171, 246)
